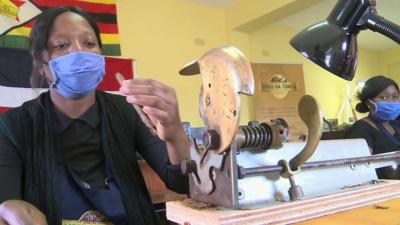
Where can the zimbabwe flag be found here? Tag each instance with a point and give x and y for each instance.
(19, 14)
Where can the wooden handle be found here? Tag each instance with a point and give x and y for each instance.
(310, 112)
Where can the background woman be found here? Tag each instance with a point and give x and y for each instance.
(379, 97)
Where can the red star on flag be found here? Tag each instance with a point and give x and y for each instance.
(18, 3)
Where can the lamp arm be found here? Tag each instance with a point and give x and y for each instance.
(381, 25)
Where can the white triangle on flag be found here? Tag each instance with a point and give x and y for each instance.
(14, 96)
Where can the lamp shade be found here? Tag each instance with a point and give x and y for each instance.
(329, 46)
(332, 43)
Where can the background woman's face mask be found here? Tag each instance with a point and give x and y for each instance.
(77, 74)
(387, 111)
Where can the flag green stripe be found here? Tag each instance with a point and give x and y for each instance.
(14, 41)
(111, 49)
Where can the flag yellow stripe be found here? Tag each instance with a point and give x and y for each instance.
(105, 38)
(100, 1)
(20, 31)
(109, 38)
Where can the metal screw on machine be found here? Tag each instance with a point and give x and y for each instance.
(211, 140)
(295, 191)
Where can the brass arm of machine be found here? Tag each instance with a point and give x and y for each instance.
(311, 114)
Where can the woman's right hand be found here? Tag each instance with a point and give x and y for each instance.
(18, 212)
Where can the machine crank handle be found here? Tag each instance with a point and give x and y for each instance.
(310, 112)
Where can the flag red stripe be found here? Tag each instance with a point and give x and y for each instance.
(108, 28)
(3, 109)
(105, 28)
(30, 24)
(114, 65)
(91, 7)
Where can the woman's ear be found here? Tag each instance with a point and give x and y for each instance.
(45, 72)
(371, 105)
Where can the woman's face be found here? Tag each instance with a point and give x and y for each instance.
(390, 94)
(69, 33)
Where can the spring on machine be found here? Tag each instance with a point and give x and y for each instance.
(255, 136)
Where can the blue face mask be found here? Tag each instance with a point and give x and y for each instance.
(77, 74)
(387, 111)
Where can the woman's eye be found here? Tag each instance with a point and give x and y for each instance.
(61, 46)
(90, 44)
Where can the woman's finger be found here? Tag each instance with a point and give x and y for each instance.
(3, 222)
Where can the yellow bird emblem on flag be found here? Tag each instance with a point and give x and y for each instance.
(10, 8)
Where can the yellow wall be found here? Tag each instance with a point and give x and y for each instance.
(390, 63)
(161, 35)
(246, 11)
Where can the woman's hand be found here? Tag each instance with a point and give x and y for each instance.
(159, 102)
(18, 212)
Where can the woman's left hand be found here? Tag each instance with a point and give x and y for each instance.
(159, 102)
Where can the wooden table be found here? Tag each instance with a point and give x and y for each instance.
(383, 213)
(377, 204)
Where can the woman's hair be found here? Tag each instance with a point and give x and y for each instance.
(371, 89)
(40, 34)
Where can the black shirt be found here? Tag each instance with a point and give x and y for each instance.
(80, 145)
(79, 141)
(30, 160)
(379, 142)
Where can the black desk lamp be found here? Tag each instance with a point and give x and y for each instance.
(332, 43)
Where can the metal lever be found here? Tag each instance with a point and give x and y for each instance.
(311, 114)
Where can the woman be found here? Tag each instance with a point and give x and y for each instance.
(71, 153)
(379, 97)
